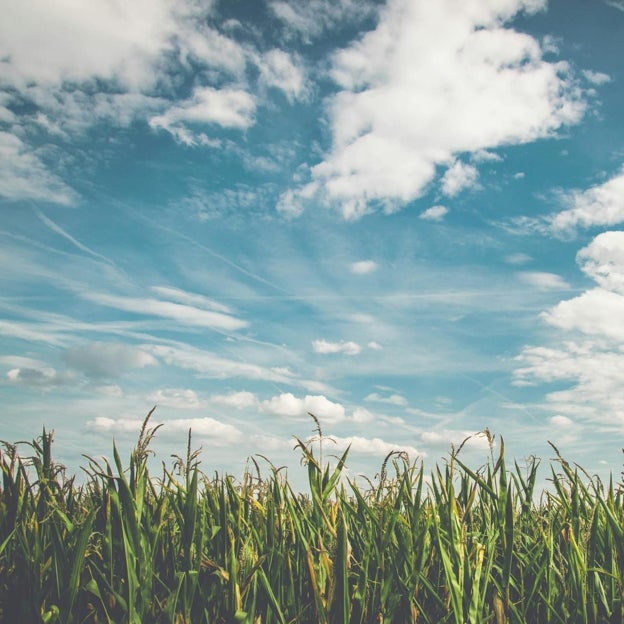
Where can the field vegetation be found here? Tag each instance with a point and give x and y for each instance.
(456, 545)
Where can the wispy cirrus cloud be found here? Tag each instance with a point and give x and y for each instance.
(326, 347)
(543, 280)
(189, 315)
(392, 399)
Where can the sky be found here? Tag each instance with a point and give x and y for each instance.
(404, 217)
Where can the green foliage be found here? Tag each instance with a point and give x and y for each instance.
(459, 545)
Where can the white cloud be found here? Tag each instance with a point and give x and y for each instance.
(598, 206)
(210, 428)
(375, 446)
(119, 425)
(213, 366)
(362, 267)
(293, 201)
(458, 177)
(31, 333)
(393, 399)
(20, 361)
(106, 359)
(560, 421)
(43, 377)
(237, 400)
(543, 281)
(445, 437)
(590, 357)
(214, 430)
(192, 299)
(180, 398)
(186, 314)
(324, 347)
(596, 312)
(279, 70)
(593, 371)
(375, 346)
(288, 405)
(597, 78)
(435, 213)
(67, 40)
(23, 175)
(308, 19)
(229, 108)
(603, 260)
(433, 80)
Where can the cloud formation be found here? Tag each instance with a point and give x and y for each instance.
(543, 280)
(228, 108)
(601, 205)
(589, 358)
(325, 347)
(187, 314)
(432, 81)
(106, 360)
(435, 213)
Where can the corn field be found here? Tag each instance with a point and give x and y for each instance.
(457, 545)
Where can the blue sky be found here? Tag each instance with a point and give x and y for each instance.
(403, 217)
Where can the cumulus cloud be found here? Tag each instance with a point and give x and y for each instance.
(601, 205)
(603, 260)
(590, 356)
(208, 428)
(597, 78)
(445, 437)
(375, 446)
(68, 41)
(325, 347)
(362, 267)
(458, 177)
(596, 312)
(43, 378)
(435, 213)
(105, 360)
(237, 400)
(290, 406)
(543, 281)
(432, 81)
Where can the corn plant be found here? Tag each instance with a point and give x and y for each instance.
(461, 545)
